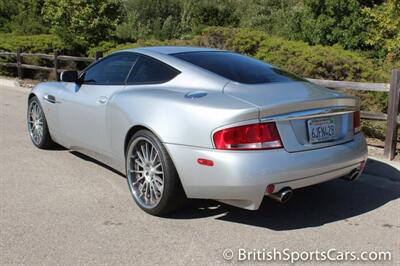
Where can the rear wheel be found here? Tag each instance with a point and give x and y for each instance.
(152, 177)
(37, 125)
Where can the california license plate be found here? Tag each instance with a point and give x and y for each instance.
(321, 129)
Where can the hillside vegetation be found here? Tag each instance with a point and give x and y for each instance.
(355, 40)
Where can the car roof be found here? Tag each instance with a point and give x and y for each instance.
(172, 49)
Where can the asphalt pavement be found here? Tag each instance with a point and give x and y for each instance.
(60, 207)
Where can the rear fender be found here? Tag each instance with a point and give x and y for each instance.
(173, 117)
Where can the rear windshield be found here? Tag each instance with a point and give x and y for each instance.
(237, 67)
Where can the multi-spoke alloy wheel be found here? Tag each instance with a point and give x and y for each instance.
(152, 177)
(35, 122)
(145, 173)
(37, 125)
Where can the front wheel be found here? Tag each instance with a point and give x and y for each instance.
(37, 125)
(152, 177)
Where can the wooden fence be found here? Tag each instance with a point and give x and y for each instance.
(392, 118)
(55, 57)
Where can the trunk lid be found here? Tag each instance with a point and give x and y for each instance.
(296, 107)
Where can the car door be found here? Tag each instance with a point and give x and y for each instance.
(83, 111)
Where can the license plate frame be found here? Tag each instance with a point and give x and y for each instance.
(321, 129)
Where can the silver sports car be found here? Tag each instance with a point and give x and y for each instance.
(186, 122)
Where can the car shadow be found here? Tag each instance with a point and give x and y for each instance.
(311, 206)
(56, 147)
(378, 168)
(92, 160)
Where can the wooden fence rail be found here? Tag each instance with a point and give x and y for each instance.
(392, 118)
(55, 58)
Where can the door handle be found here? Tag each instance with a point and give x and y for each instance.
(49, 98)
(102, 100)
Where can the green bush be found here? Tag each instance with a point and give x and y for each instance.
(242, 40)
(326, 62)
(320, 62)
(109, 47)
(216, 37)
(101, 47)
(42, 43)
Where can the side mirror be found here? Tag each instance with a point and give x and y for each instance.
(69, 76)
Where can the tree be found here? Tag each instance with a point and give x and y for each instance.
(8, 9)
(271, 16)
(214, 14)
(384, 29)
(22, 17)
(83, 23)
(329, 22)
(167, 19)
(150, 19)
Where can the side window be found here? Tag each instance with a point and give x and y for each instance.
(151, 71)
(111, 70)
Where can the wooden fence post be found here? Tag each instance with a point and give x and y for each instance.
(393, 110)
(19, 62)
(56, 64)
(98, 55)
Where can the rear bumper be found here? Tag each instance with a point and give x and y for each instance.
(240, 178)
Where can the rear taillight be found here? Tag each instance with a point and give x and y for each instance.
(249, 137)
(357, 122)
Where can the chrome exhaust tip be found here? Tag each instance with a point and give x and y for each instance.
(353, 175)
(283, 196)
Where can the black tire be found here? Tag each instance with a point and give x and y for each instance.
(45, 142)
(173, 196)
